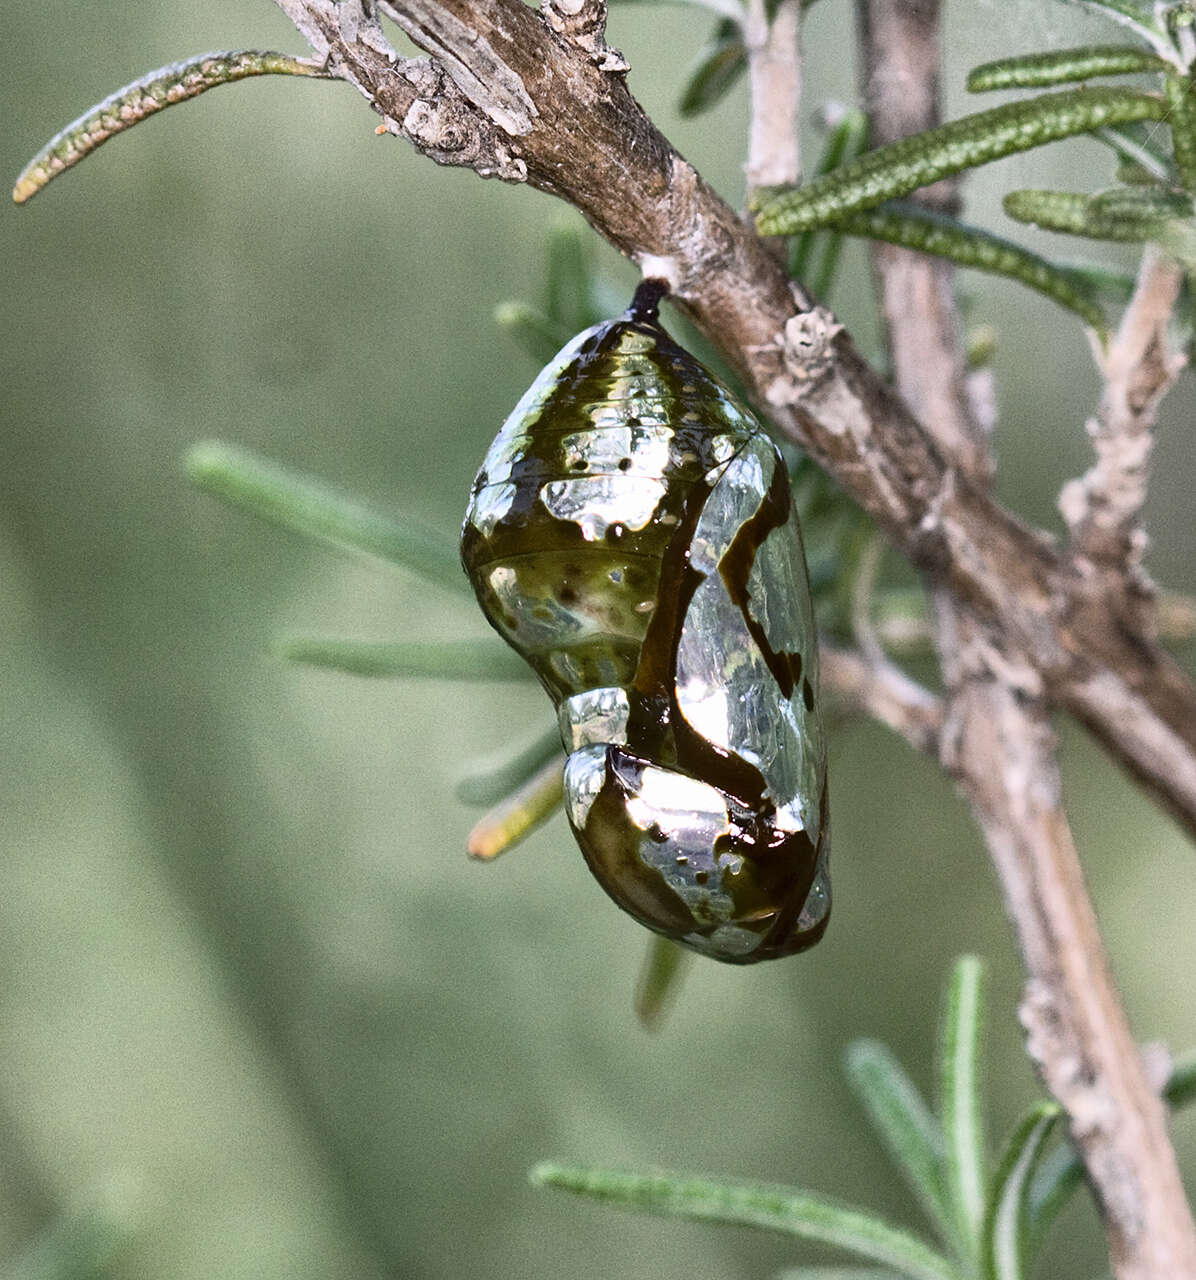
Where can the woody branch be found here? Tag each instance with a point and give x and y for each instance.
(508, 94)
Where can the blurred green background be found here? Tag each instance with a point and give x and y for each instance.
(258, 1013)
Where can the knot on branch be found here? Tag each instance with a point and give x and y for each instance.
(807, 340)
(806, 349)
(421, 102)
(583, 23)
(1053, 1046)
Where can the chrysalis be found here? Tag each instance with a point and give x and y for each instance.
(632, 535)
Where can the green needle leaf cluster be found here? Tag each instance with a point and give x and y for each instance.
(860, 194)
(990, 1220)
(305, 506)
(916, 228)
(1063, 66)
(901, 167)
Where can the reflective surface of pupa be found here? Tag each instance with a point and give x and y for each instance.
(632, 535)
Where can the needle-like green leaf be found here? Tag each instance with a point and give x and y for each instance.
(909, 1131)
(489, 783)
(1056, 1177)
(539, 335)
(904, 166)
(1063, 66)
(664, 967)
(1063, 211)
(310, 508)
(1006, 1223)
(916, 228)
(515, 817)
(1103, 282)
(771, 1207)
(1134, 214)
(1181, 96)
(844, 142)
(407, 659)
(961, 1109)
(144, 97)
(1147, 203)
(714, 71)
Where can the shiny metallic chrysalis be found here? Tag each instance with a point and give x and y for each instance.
(632, 535)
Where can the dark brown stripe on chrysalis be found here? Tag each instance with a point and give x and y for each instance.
(735, 568)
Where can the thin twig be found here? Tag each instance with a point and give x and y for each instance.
(880, 689)
(1103, 509)
(903, 626)
(1076, 1030)
(774, 74)
(145, 96)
